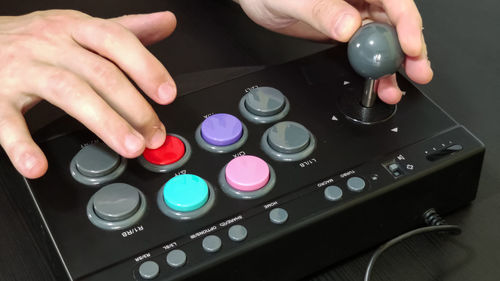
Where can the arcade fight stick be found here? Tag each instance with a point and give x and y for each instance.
(269, 176)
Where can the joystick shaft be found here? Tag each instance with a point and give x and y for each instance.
(369, 95)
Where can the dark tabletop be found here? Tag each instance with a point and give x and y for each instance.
(215, 41)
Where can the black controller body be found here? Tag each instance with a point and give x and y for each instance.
(317, 233)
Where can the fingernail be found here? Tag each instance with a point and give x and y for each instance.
(344, 27)
(166, 92)
(158, 137)
(133, 142)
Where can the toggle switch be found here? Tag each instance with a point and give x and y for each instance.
(436, 155)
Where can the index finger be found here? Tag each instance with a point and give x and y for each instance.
(114, 42)
(405, 16)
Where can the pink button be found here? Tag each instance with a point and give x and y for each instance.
(247, 173)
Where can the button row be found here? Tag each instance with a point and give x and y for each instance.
(119, 205)
(335, 193)
(97, 164)
(210, 244)
(285, 141)
(178, 258)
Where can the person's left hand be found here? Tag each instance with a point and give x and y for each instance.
(85, 66)
(339, 20)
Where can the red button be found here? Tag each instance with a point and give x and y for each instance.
(170, 152)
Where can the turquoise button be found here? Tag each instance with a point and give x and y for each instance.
(185, 193)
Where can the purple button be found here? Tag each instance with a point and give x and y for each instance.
(221, 129)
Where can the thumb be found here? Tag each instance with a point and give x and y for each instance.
(149, 28)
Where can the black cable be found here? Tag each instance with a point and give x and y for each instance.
(431, 217)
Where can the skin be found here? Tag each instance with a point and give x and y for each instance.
(79, 63)
(338, 20)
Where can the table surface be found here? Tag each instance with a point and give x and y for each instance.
(214, 38)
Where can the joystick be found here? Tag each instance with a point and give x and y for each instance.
(373, 52)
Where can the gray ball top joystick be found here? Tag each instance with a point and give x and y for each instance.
(374, 52)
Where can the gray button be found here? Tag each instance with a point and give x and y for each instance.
(356, 184)
(278, 215)
(117, 201)
(237, 233)
(333, 193)
(264, 101)
(96, 160)
(149, 270)
(176, 258)
(211, 243)
(288, 137)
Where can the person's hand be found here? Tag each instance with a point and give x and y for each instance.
(80, 64)
(339, 20)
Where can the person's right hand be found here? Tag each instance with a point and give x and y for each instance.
(339, 20)
(80, 64)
